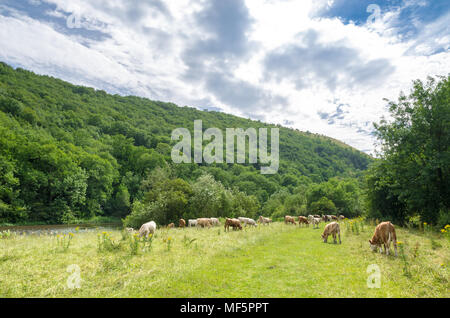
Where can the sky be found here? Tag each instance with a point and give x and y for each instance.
(323, 66)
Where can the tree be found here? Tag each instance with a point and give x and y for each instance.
(413, 176)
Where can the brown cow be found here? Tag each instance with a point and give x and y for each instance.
(171, 225)
(204, 222)
(341, 217)
(234, 223)
(332, 229)
(384, 235)
(333, 217)
(303, 220)
(289, 219)
(182, 223)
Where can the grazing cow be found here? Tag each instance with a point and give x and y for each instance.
(171, 225)
(303, 220)
(333, 217)
(289, 220)
(250, 222)
(325, 218)
(192, 223)
(384, 235)
(314, 221)
(182, 223)
(332, 229)
(202, 222)
(215, 221)
(147, 229)
(264, 220)
(242, 219)
(341, 217)
(234, 223)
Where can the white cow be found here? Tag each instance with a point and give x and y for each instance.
(250, 222)
(215, 221)
(192, 223)
(314, 221)
(147, 229)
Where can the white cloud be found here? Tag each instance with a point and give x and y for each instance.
(177, 51)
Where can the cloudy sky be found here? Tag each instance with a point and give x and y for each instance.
(318, 65)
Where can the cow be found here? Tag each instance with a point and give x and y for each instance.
(325, 218)
(289, 220)
(303, 220)
(333, 217)
(182, 223)
(264, 220)
(242, 219)
(147, 229)
(192, 223)
(215, 221)
(384, 235)
(332, 229)
(202, 222)
(171, 225)
(249, 221)
(341, 217)
(314, 221)
(234, 223)
(316, 216)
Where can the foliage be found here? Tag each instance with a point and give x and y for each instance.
(412, 176)
(70, 152)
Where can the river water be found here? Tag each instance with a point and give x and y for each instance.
(59, 228)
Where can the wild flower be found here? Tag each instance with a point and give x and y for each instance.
(106, 243)
(63, 241)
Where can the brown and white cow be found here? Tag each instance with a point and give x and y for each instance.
(333, 217)
(332, 229)
(289, 220)
(341, 217)
(234, 223)
(303, 220)
(264, 220)
(182, 223)
(384, 235)
(204, 222)
(171, 225)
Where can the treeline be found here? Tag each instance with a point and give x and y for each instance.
(70, 152)
(167, 198)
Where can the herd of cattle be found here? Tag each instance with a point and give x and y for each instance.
(383, 236)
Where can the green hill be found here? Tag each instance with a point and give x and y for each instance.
(68, 150)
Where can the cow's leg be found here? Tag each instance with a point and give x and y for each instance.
(395, 247)
(339, 235)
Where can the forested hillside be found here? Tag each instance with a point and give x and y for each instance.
(70, 152)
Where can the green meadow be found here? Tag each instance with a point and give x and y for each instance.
(268, 261)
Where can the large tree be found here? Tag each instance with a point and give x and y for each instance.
(413, 175)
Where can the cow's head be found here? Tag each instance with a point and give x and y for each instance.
(373, 246)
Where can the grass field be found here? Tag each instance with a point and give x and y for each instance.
(269, 261)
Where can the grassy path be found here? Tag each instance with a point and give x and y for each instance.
(271, 261)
